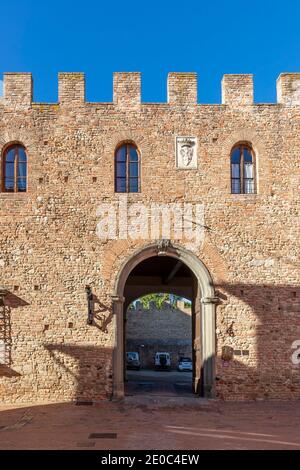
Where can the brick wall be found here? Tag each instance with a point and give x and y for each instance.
(49, 250)
(152, 330)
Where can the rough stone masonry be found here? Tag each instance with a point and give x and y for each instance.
(49, 249)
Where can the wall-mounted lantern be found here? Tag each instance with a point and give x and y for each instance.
(89, 297)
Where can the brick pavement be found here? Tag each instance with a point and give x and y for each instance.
(153, 424)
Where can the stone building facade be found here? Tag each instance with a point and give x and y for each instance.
(150, 330)
(247, 297)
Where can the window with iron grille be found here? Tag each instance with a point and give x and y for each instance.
(127, 169)
(14, 169)
(242, 170)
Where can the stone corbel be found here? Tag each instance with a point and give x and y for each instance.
(117, 299)
(210, 300)
(117, 303)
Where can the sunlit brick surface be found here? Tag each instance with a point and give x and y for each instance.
(48, 235)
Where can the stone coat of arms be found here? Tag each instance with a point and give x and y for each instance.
(186, 152)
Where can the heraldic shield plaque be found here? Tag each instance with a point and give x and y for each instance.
(186, 153)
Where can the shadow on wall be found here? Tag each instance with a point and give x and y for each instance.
(87, 370)
(7, 303)
(267, 334)
(260, 328)
(258, 323)
(261, 365)
(102, 316)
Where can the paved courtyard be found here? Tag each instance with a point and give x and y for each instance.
(162, 383)
(152, 423)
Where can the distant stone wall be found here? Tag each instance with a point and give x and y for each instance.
(152, 330)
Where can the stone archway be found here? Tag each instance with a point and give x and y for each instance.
(205, 306)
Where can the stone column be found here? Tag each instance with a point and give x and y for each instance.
(208, 345)
(118, 360)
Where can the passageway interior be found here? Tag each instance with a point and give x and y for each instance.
(161, 274)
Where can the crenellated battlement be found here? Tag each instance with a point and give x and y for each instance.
(127, 89)
(17, 90)
(182, 89)
(237, 89)
(288, 89)
(71, 88)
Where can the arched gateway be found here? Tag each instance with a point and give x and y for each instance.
(204, 305)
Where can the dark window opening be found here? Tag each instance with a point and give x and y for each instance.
(242, 170)
(127, 169)
(14, 170)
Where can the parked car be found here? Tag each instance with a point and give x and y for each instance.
(133, 360)
(162, 361)
(185, 363)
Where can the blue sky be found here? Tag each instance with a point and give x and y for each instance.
(154, 37)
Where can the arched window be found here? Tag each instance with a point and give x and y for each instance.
(14, 169)
(127, 169)
(242, 170)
